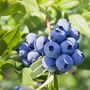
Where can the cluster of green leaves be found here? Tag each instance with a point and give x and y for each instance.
(19, 17)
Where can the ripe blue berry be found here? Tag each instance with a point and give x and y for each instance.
(17, 88)
(30, 38)
(67, 47)
(39, 43)
(33, 56)
(52, 49)
(26, 63)
(49, 64)
(64, 25)
(23, 50)
(57, 35)
(74, 33)
(77, 45)
(78, 57)
(23, 46)
(64, 63)
(74, 42)
(40, 83)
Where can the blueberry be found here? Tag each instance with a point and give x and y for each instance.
(77, 46)
(49, 64)
(33, 56)
(57, 35)
(30, 38)
(26, 63)
(74, 42)
(74, 33)
(23, 46)
(23, 53)
(39, 43)
(40, 83)
(78, 57)
(64, 25)
(52, 49)
(23, 50)
(64, 63)
(17, 88)
(67, 47)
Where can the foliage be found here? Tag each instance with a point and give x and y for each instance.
(19, 17)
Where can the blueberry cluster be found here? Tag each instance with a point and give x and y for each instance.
(32, 48)
(62, 51)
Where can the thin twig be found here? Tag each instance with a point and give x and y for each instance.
(55, 82)
(47, 24)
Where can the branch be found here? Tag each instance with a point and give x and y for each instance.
(47, 24)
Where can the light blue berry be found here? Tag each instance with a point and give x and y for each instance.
(52, 49)
(64, 63)
(49, 64)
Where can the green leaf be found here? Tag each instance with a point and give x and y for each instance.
(14, 8)
(30, 5)
(33, 8)
(2, 32)
(26, 78)
(5, 65)
(41, 1)
(9, 71)
(86, 63)
(80, 24)
(18, 17)
(68, 4)
(34, 23)
(9, 8)
(12, 37)
(47, 3)
(37, 69)
(47, 82)
(3, 7)
(3, 46)
(53, 13)
(2, 62)
(86, 15)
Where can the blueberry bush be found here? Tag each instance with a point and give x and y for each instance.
(44, 44)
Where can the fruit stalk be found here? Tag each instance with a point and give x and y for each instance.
(47, 24)
(55, 82)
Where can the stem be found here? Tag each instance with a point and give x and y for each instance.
(63, 14)
(55, 82)
(47, 24)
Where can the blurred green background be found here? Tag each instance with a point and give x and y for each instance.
(29, 16)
